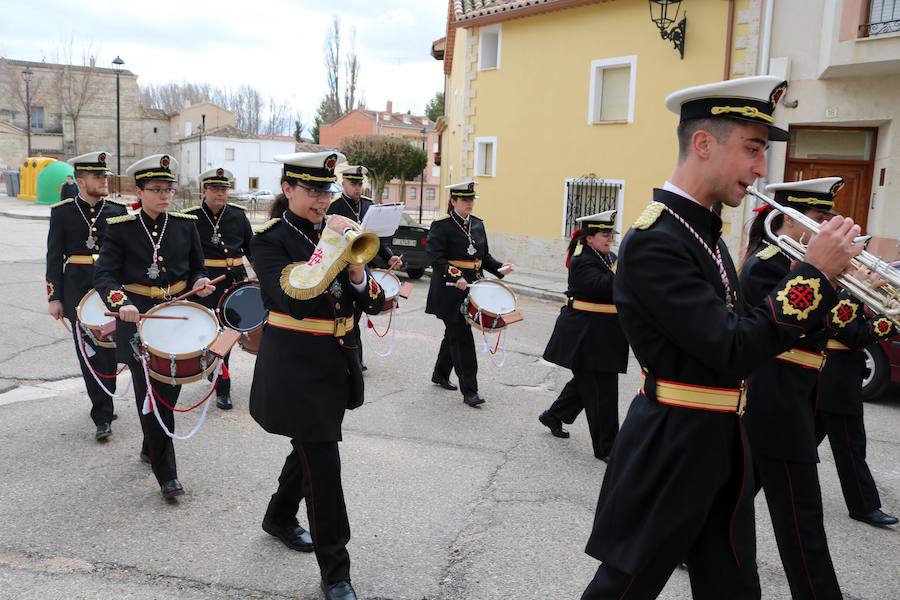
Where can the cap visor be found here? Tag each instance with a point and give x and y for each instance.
(776, 134)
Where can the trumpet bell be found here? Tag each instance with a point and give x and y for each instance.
(363, 247)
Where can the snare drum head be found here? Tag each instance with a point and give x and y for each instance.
(389, 282)
(243, 309)
(91, 309)
(175, 336)
(493, 297)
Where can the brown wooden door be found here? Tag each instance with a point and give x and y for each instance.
(853, 199)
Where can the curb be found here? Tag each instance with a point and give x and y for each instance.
(15, 215)
(526, 290)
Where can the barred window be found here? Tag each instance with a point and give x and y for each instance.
(587, 196)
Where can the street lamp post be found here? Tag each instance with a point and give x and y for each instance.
(27, 75)
(117, 65)
(202, 129)
(424, 133)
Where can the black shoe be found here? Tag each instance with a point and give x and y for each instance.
(553, 424)
(362, 367)
(145, 458)
(473, 400)
(876, 517)
(342, 590)
(114, 417)
(293, 536)
(603, 458)
(103, 431)
(171, 488)
(444, 382)
(223, 401)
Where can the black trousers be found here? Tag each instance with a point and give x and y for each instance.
(104, 363)
(596, 392)
(313, 471)
(357, 316)
(458, 353)
(714, 573)
(223, 385)
(847, 436)
(795, 505)
(157, 445)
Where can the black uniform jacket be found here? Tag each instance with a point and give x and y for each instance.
(67, 236)
(840, 383)
(589, 340)
(235, 234)
(781, 399)
(303, 382)
(126, 256)
(669, 462)
(355, 211)
(446, 242)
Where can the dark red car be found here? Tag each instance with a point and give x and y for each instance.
(882, 367)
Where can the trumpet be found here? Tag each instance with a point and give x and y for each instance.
(882, 299)
(307, 279)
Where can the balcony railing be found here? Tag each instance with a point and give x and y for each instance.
(873, 29)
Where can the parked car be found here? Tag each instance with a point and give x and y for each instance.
(882, 367)
(408, 240)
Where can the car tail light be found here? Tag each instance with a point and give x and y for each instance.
(424, 242)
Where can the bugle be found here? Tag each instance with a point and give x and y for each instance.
(882, 299)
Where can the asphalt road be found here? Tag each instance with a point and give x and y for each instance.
(446, 502)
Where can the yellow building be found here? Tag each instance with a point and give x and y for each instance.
(556, 108)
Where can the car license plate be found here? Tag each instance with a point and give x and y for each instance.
(402, 242)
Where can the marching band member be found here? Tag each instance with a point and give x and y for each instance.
(781, 420)
(353, 205)
(840, 405)
(587, 337)
(225, 235)
(458, 248)
(677, 482)
(77, 231)
(307, 372)
(148, 258)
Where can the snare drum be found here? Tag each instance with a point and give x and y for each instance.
(241, 308)
(390, 283)
(491, 301)
(97, 326)
(179, 350)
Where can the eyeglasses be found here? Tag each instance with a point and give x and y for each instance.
(160, 191)
(314, 192)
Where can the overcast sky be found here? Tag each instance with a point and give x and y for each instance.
(274, 45)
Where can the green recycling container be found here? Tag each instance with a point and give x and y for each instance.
(50, 180)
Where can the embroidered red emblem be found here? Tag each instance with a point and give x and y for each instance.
(164, 162)
(844, 313)
(800, 297)
(220, 172)
(102, 158)
(316, 258)
(330, 162)
(374, 289)
(50, 289)
(883, 327)
(115, 298)
(453, 271)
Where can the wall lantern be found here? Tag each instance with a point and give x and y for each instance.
(664, 13)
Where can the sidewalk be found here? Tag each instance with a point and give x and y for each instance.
(22, 209)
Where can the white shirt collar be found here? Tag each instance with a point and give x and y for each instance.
(465, 221)
(671, 187)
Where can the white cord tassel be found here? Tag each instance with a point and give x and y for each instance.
(150, 401)
(82, 345)
(392, 340)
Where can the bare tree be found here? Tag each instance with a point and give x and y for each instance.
(333, 70)
(351, 68)
(13, 86)
(74, 84)
(278, 118)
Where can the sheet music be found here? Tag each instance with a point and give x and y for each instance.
(383, 219)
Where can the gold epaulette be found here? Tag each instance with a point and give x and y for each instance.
(191, 209)
(120, 219)
(578, 249)
(767, 252)
(440, 218)
(236, 205)
(365, 198)
(649, 216)
(267, 225)
(183, 216)
(119, 202)
(62, 202)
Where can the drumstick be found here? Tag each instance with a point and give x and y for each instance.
(391, 267)
(146, 316)
(192, 292)
(64, 323)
